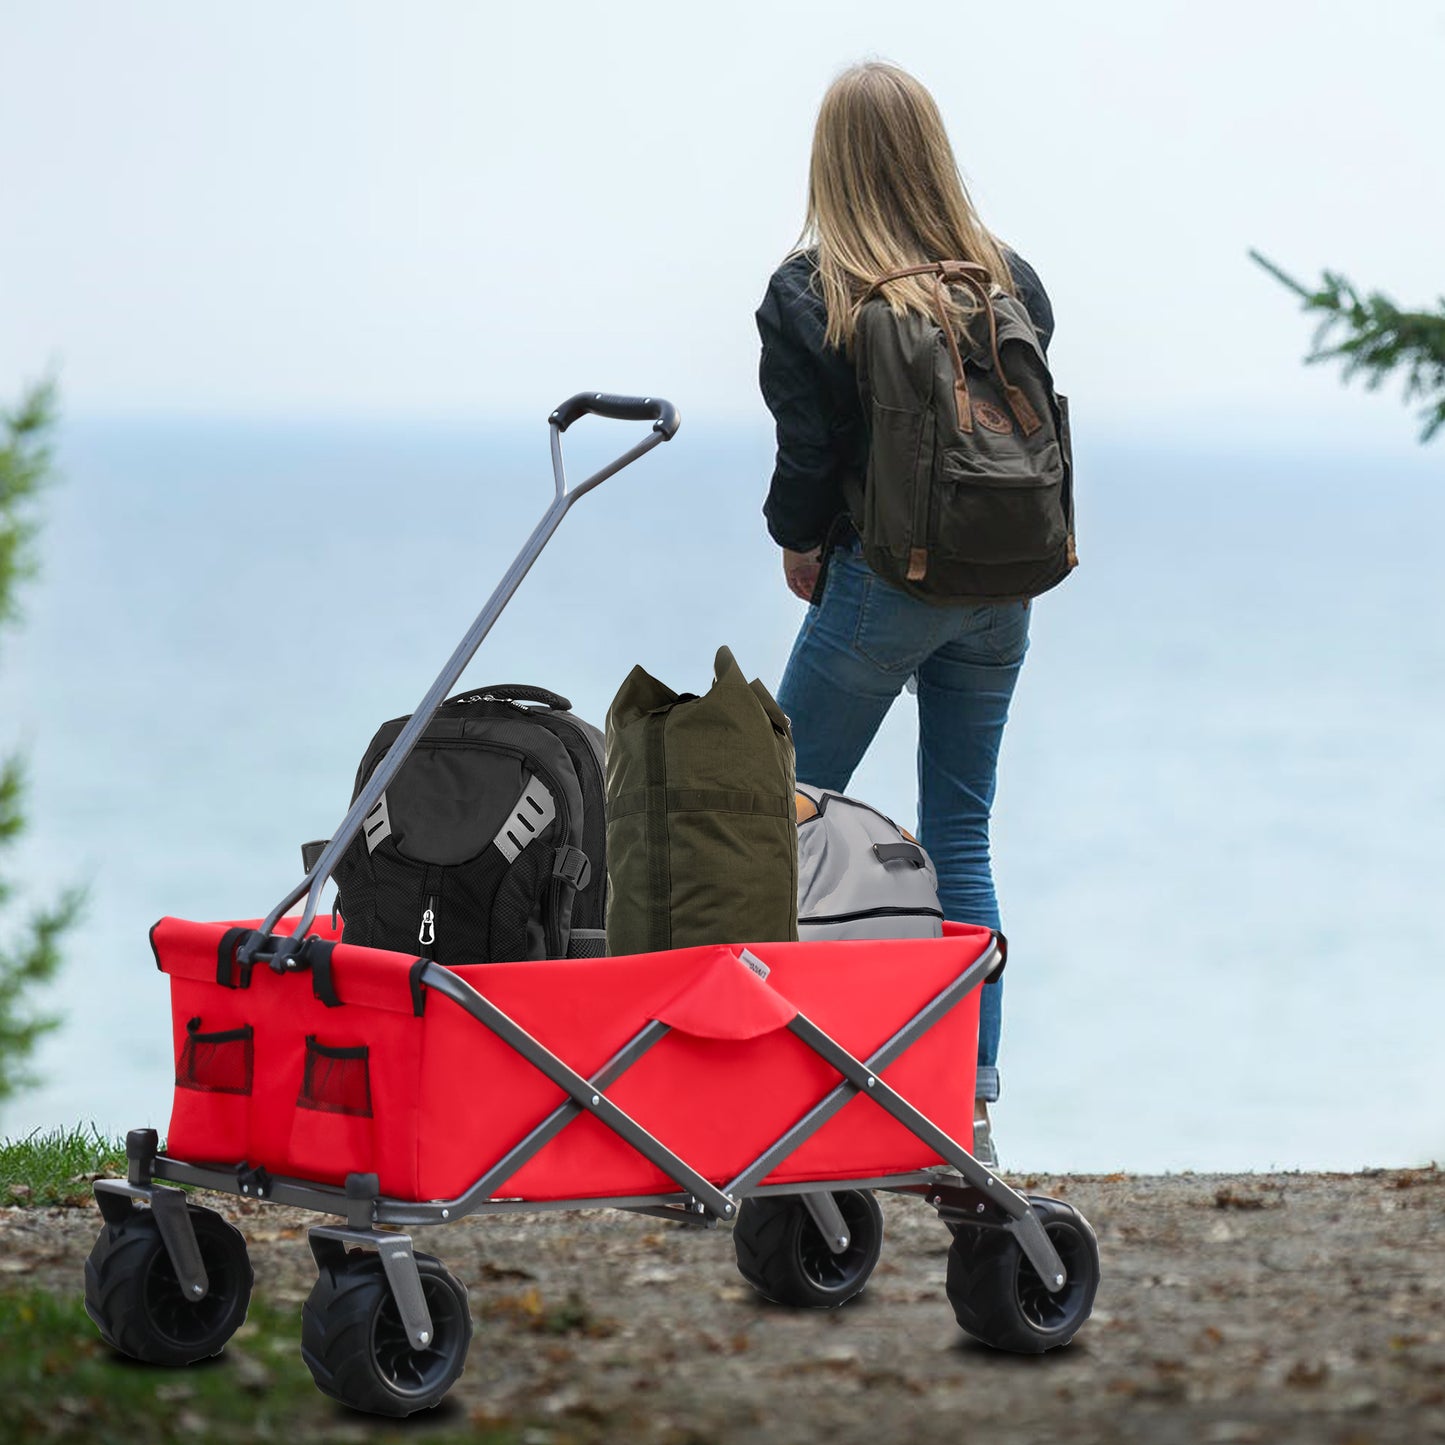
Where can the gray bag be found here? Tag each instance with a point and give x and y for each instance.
(859, 875)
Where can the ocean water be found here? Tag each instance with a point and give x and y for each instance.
(1221, 819)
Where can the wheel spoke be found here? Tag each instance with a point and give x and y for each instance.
(184, 1321)
(1048, 1310)
(406, 1369)
(836, 1272)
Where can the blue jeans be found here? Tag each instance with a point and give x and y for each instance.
(854, 653)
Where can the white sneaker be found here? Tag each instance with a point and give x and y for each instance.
(983, 1149)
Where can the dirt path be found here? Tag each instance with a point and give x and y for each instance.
(1281, 1308)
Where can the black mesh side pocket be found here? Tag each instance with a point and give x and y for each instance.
(517, 921)
(216, 1063)
(587, 943)
(337, 1081)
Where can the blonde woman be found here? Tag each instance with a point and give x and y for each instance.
(884, 193)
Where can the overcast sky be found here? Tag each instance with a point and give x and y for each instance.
(467, 209)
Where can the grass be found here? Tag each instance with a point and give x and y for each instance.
(59, 1382)
(56, 1166)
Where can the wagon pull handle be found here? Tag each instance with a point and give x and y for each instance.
(666, 421)
(663, 414)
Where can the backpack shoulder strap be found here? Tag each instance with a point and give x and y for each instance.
(975, 277)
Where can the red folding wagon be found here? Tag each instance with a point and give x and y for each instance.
(772, 1087)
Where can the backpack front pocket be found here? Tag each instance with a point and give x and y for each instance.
(895, 499)
(992, 510)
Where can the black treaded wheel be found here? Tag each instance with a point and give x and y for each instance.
(133, 1296)
(783, 1255)
(997, 1295)
(357, 1350)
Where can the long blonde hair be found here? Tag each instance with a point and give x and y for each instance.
(884, 192)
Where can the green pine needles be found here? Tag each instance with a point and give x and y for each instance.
(1375, 339)
(26, 462)
(29, 949)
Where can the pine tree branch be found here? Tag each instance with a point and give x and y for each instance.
(28, 965)
(31, 960)
(26, 461)
(1374, 339)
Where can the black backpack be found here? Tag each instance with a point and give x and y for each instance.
(968, 495)
(488, 844)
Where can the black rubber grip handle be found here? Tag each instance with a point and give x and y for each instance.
(662, 414)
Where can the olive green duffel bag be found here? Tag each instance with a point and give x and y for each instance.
(702, 846)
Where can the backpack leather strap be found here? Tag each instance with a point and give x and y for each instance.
(940, 307)
(975, 277)
(959, 273)
(960, 377)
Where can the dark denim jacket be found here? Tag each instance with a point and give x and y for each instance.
(812, 392)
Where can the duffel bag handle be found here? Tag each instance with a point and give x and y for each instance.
(515, 692)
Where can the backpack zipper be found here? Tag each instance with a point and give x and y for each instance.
(426, 935)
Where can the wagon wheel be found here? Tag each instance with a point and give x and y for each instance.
(783, 1255)
(357, 1349)
(136, 1301)
(997, 1295)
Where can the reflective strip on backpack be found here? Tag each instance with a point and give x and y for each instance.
(377, 824)
(535, 809)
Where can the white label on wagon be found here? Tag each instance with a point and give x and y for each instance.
(755, 963)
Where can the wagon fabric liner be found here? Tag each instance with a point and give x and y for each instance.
(355, 1066)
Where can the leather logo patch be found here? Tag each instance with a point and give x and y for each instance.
(988, 415)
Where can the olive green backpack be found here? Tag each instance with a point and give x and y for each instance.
(702, 846)
(968, 495)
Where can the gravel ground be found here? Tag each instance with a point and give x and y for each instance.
(1234, 1309)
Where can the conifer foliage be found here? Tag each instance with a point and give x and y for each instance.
(29, 946)
(1375, 339)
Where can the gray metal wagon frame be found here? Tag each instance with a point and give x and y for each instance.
(1005, 1233)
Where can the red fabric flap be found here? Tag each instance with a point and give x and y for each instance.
(725, 999)
(374, 978)
(371, 977)
(188, 950)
